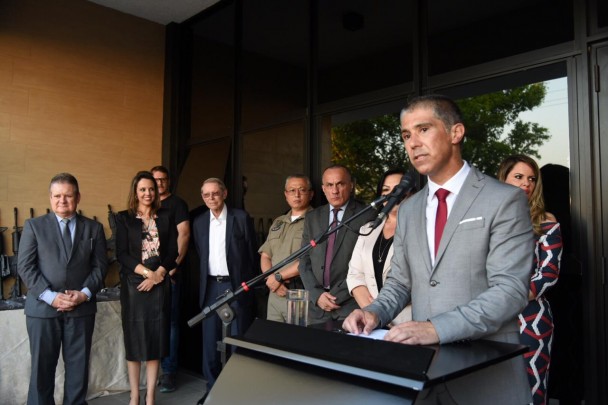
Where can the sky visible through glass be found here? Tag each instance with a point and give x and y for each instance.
(552, 114)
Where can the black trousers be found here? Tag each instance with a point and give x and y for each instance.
(212, 332)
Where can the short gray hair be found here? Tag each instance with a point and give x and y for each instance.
(65, 178)
(300, 176)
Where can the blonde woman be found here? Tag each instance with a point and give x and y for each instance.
(536, 320)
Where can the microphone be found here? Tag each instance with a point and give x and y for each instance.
(407, 183)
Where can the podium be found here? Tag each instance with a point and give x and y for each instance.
(276, 362)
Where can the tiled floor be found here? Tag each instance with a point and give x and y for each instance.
(190, 388)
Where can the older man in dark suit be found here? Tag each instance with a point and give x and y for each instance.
(323, 269)
(225, 241)
(62, 260)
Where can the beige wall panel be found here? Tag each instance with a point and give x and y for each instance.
(13, 100)
(142, 98)
(52, 132)
(12, 42)
(63, 107)
(81, 90)
(5, 127)
(13, 157)
(6, 71)
(149, 125)
(96, 149)
(3, 193)
(25, 190)
(78, 83)
(92, 34)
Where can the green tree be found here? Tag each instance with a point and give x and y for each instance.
(486, 118)
(370, 147)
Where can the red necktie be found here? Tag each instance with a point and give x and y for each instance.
(441, 217)
(329, 253)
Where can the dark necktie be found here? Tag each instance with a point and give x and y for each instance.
(67, 236)
(329, 253)
(441, 217)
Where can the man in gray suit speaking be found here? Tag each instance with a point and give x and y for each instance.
(463, 251)
(62, 260)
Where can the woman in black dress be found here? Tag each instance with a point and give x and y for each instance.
(146, 247)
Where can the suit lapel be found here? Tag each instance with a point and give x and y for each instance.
(78, 234)
(53, 223)
(467, 195)
(206, 218)
(229, 225)
(323, 224)
(348, 212)
(420, 227)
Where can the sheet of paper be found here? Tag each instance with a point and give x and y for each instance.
(377, 334)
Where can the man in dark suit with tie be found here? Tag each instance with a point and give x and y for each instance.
(225, 241)
(463, 252)
(63, 262)
(324, 268)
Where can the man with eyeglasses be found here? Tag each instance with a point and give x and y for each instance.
(179, 212)
(226, 244)
(284, 238)
(324, 268)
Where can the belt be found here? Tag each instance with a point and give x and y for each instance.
(219, 279)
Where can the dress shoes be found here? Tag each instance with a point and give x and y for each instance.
(167, 383)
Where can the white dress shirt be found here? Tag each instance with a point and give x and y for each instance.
(217, 244)
(341, 211)
(453, 185)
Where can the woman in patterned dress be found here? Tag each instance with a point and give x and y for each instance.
(536, 320)
(146, 247)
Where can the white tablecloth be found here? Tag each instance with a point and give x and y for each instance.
(108, 371)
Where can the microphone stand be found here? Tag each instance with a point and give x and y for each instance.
(222, 305)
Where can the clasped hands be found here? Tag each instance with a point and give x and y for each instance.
(327, 302)
(276, 287)
(153, 278)
(411, 332)
(68, 300)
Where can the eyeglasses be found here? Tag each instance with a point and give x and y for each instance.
(207, 196)
(161, 179)
(294, 191)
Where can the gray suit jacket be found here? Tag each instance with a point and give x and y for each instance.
(43, 263)
(312, 263)
(478, 285)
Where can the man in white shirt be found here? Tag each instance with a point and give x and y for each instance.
(225, 241)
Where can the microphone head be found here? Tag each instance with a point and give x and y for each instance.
(407, 183)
